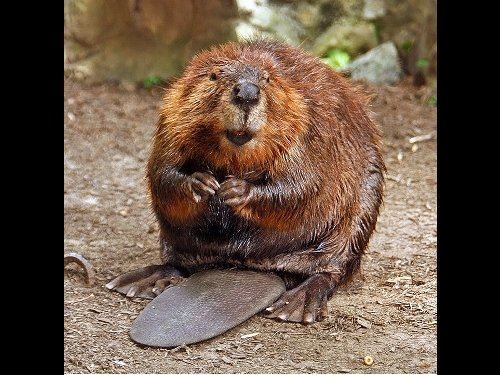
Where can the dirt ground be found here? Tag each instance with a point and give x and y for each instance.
(388, 312)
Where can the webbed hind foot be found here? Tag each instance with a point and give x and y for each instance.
(147, 282)
(307, 303)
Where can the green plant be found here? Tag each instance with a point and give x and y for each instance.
(432, 101)
(378, 33)
(422, 63)
(407, 46)
(337, 58)
(151, 81)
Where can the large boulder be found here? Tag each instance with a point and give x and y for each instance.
(132, 40)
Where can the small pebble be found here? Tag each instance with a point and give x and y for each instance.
(119, 363)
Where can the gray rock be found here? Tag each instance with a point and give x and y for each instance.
(260, 18)
(380, 65)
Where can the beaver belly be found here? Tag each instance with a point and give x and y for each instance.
(218, 229)
(221, 237)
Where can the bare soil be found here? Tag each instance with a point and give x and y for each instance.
(388, 312)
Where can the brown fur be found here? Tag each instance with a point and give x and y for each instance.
(314, 167)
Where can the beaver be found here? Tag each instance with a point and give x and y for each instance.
(264, 158)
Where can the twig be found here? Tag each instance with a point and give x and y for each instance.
(74, 330)
(249, 335)
(188, 362)
(421, 138)
(394, 178)
(104, 320)
(80, 300)
(84, 263)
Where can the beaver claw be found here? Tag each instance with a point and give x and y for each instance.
(147, 282)
(235, 192)
(306, 304)
(202, 185)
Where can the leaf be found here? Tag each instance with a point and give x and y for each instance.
(337, 58)
(151, 81)
(432, 101)
(422, 63)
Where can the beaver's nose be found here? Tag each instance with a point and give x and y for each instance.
(246, 94)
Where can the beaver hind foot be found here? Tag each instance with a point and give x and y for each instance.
(307, 303)
(147, 282)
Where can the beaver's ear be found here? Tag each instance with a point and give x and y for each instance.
(215, 73)
(266, 76)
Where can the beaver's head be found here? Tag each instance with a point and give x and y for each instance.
(237, 106)
(242, 100)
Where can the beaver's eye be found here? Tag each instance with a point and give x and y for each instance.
(213, 77)
(267, 79)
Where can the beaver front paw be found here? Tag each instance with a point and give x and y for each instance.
(306, 303)
(147, 282)
(235, 192)
(202, 185)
